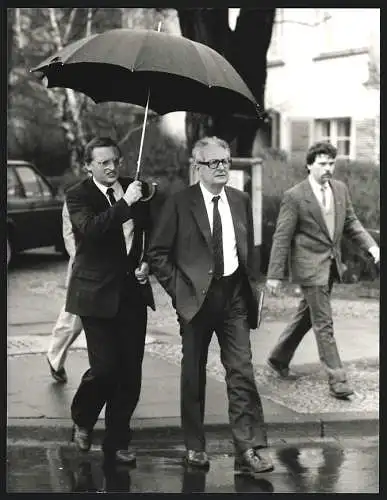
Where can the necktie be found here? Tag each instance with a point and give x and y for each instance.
(324, 197)
(217, 240)
(110, 193)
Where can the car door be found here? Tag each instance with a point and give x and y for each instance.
(43, 216)
(19, 211)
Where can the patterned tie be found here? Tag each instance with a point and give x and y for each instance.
(110, 193)
(217, 240)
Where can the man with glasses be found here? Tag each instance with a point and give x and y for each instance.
(201, 252)
(105, 291)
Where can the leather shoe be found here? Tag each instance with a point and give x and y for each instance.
(340, 390)
(58, 375)
(82, 437)
(196, 458)
(251, 463)
(281, 370)
(127, 456)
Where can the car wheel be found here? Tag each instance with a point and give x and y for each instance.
(9, 252)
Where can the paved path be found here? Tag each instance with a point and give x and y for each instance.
(34, 399)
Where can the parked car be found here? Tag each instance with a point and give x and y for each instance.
(34, 210)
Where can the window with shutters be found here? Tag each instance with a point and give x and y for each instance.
(337, 131)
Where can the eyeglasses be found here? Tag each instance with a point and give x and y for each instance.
(214, 164)
(103, 164)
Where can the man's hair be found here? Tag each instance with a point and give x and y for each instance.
(320, 148)
(99, 142)
(203, 143)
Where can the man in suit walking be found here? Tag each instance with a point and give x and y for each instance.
(201, 252)
(313, 217)
(105, 290)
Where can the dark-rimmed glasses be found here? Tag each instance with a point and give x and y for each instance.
(214, 164)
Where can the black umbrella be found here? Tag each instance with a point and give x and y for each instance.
(149, 68)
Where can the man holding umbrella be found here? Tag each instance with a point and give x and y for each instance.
(105, 290)
(201, 252)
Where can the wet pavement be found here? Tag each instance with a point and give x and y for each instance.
(325, 466)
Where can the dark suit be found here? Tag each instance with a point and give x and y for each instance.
(180, 255)
(302, 239)
(104, 292)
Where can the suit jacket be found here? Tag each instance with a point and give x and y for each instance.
(180, 251)
(302, 236)
(101, 260)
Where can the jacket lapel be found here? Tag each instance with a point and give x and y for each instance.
(314, 207)
(339, 202)
(200, 213)
(100, 201)
(239, 220)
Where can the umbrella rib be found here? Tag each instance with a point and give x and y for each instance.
(81, 46)
(141, 48)
(201, 60)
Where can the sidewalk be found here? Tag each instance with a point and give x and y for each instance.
(39, 407)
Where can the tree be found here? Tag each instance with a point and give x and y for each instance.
(245, 48)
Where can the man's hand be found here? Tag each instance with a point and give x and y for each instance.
(133, 192)
(142, 273)
(273, 286)
(375, 252)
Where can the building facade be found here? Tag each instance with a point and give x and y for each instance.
(323, 82)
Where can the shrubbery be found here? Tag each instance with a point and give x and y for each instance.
(363, 181)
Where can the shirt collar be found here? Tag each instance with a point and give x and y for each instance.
(103, 188)
(207, 195)
(315, 185)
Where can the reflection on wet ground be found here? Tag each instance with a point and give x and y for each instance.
(314, 467)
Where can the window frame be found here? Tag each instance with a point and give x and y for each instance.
(334, 137)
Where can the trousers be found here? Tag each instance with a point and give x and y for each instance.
(314, 311)
(116, 350)
(223, 312)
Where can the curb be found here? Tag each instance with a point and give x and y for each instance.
(307, 426)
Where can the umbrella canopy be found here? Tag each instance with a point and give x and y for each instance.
(125, 64)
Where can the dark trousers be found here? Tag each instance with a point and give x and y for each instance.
(224, 311)
(314, 311)
(116, 350)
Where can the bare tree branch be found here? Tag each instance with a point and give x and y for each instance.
(19, 41)
(69, 26)
(89, 21)
(130, 132)
(55, 28)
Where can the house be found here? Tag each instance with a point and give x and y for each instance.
(323, 82)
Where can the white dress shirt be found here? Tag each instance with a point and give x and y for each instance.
(128, 226)
(316, 187)
(230, 255)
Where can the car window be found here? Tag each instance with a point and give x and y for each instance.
(44, 187)
(30, 180)
(13, 185)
